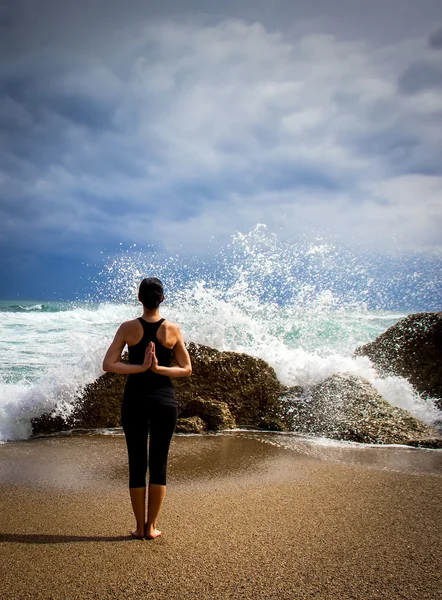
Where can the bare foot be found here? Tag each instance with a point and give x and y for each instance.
(137, 535)
(152, 533)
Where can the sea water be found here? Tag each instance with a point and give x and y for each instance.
(304, 308)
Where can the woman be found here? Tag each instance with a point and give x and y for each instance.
(149, 403)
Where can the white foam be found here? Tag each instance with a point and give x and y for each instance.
(58, 353)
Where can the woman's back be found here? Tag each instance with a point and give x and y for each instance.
(148, 380)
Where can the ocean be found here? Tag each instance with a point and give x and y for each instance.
(298, 308)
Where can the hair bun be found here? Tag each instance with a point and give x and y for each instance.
(151, 292)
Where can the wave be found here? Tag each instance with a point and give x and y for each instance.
(26, 308)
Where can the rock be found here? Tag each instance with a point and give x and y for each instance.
(289, 402)
(431, 442)
(412, 349)
(293, 392)
(216, 415)
(247, 385)
(190, 425)
(272, 424)
(348, 407)
(100, 403)
(98, 406)
(46, 423)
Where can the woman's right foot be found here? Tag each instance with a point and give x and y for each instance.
(138, 535)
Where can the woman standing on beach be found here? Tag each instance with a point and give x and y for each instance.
(149, 403)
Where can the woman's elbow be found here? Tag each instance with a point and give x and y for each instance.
(106, 366)
(189, 371)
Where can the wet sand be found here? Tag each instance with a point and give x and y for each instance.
(243, 518)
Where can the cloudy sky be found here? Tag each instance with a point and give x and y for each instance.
(123, 122)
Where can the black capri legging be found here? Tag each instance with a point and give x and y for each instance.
(141, 421)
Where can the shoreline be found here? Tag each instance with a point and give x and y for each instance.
(393, 457)
(242, 519)
(118, 431)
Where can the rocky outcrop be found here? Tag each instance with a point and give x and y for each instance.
(247, 385)
(348, 407)
(412, 349)
(226, 388)
(99, 406)
(216, 415)
(190, 425)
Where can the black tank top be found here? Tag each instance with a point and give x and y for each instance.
(149, 383)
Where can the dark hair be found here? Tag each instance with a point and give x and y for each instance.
(151, 292)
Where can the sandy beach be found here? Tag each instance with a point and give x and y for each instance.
(243, 518)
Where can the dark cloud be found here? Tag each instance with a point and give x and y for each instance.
(93, 27)
(421, 76)
(82, 111)
(435, 39)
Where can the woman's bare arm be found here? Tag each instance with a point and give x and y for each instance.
(184, 368)
(112, 360)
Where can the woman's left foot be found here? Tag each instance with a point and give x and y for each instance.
(137, 535)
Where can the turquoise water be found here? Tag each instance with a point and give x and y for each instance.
(26, 306)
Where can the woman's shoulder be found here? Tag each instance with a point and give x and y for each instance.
(171, 325)
(133, 323)
(169, 333)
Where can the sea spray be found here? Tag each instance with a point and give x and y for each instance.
(303, 306)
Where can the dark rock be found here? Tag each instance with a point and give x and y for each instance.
(348, 407)
(247, 385)
(216, 415)
(412, 349)
(98, 406)
(190, 425)
(431, 442)
(272, 425)
(100, 403)
(289, 403)
(48, 424)
(294, 391)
